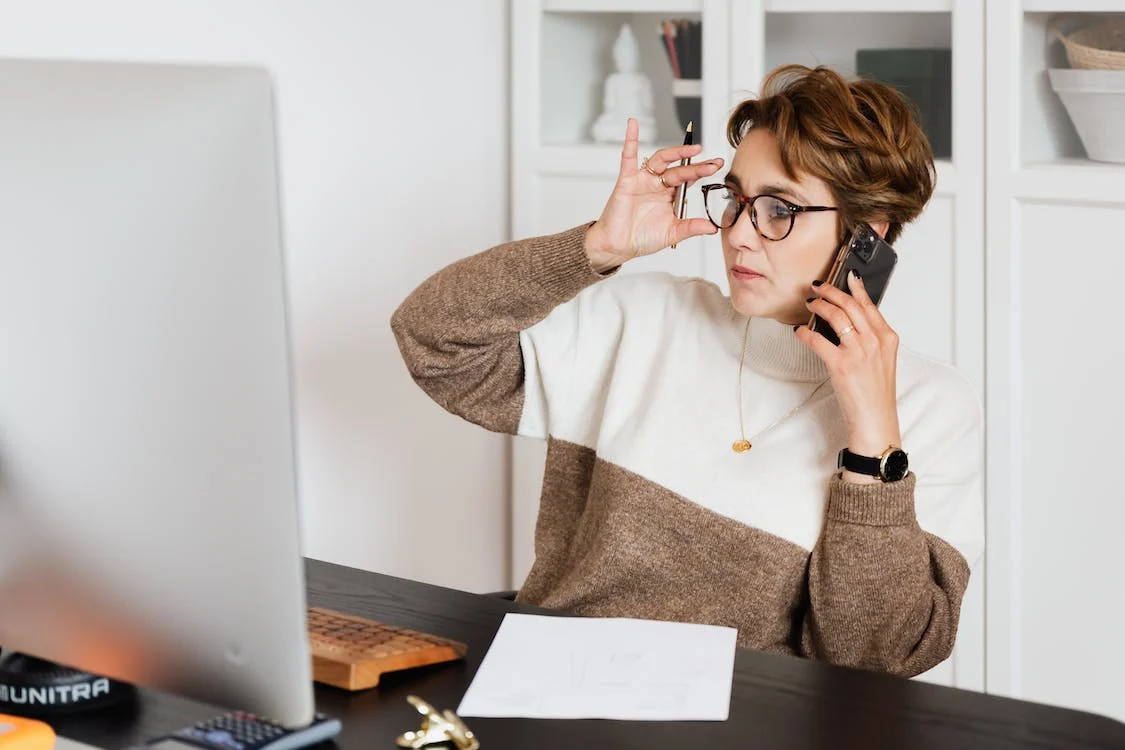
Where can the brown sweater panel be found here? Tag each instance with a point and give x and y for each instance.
(610, 543)
(883, 594)
(458, 332)
(876, 592)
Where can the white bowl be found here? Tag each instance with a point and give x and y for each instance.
(1095, 101)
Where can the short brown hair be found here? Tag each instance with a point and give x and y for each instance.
(861, 137)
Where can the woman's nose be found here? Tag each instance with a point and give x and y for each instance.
(743, 235)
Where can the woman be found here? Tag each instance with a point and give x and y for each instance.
(694, 439)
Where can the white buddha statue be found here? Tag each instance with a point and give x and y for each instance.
(628, 93)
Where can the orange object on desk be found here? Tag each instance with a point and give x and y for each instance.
(17, 733)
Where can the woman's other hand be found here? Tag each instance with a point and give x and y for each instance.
(862, 367)
(639, 218)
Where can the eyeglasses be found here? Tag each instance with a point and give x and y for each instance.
(771, 216)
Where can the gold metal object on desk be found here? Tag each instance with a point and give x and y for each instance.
(437, 728)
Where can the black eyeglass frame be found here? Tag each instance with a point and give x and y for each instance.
(743, 202)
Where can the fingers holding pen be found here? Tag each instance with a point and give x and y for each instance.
(690, 173)
(685, 229)
(663, 159)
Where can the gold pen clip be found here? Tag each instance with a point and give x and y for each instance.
(437, 728)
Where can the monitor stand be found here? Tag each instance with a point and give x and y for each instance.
(30, 686)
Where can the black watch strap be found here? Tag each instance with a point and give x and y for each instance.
(891, 466)
(867, 465)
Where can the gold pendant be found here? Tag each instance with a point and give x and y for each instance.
(741, 446)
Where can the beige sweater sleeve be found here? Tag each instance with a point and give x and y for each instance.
(459, 332)
(883, 594)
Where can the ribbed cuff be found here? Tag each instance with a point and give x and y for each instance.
(561, 267)
(878, 504)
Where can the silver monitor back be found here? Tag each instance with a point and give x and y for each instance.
(148, 502)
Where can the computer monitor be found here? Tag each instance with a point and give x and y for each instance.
(148, 497)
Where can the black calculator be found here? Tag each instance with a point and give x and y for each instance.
(242, 731)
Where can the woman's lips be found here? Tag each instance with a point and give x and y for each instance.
(745, 274)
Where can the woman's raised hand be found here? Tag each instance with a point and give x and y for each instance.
(639, 218)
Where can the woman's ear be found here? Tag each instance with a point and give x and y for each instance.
(881, 227)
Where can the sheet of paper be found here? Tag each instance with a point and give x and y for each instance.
(588, 668)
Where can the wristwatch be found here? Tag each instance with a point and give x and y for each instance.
(889, 467)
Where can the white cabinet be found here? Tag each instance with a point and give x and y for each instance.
(1056, 501)
(560, 57)
(1036, 310)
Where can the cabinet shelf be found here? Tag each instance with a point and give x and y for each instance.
(601, 160)
(585, 160)
(590, 160)
(858, 6)
(1070, 181)
(1072, 6)
(623, 6)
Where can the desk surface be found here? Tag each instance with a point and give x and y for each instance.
(777, 701)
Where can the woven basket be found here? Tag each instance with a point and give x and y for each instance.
(1099, 46)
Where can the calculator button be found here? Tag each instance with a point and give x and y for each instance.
(222, 737)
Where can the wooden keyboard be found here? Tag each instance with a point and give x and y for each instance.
(352, 652)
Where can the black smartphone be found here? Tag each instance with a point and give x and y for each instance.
(872, 258)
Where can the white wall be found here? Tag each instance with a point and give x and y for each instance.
(387, 112)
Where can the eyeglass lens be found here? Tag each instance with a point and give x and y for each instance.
(770, 216)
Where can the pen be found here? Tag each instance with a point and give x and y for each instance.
(681, 191)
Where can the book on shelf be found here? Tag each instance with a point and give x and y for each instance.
(682, 42)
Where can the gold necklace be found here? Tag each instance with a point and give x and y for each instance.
(742, 445)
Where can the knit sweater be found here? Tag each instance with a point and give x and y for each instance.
(645, 509)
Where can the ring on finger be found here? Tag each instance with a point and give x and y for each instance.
(662, 182)
(846, 331)
(648, 168)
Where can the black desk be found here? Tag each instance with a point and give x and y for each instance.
(777, 702)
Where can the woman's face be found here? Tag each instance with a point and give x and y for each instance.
(773, 278)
